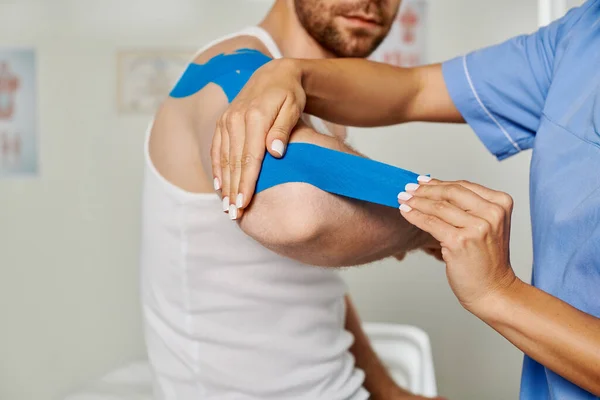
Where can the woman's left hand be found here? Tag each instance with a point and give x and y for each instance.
(472, 224)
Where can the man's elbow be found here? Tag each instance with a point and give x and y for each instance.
(285, 218)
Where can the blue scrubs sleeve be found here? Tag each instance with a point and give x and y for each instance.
(501, 90)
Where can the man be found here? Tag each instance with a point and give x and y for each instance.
(243, 314)
(539, 91)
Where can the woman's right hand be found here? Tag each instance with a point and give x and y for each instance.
(261, 117)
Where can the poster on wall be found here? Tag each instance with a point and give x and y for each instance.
(405, 46)
(18, 113)
(146, 77)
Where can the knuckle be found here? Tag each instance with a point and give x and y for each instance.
(296, 100)
(249, 160)
(440, 206)
(224, 160)
(463, 182)
(414, 202)
(451, 190)
(291, 97)
(482, 229)
(235, 164)
(429, 220)
(282, 93)
(278, 131)
(238, 162)
(460, 240)
(497, 213)
(244, 161)
(227, 116)
(224, 117)
(296, 110)
(254, 113)
(234, 118)
(222, 124)
(507, 201)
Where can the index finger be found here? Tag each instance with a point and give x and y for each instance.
(455, 194)
(252, 157)
(276, 127)
(466, 199)
(500, 198)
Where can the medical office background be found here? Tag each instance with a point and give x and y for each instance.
(69, 224)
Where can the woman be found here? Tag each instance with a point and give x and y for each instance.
(540, 91)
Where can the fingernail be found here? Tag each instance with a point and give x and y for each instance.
(404, 196)
(232, 212)
(217, 184)
(278, 147)
(239, 201)
(424, 179)
(405, 208)
(411, 187)
(226, 203)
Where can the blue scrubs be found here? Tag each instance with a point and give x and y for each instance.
(542, 92)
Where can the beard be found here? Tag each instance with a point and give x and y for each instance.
(324, 23)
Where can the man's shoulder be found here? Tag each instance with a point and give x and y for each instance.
(211, 98)
(199, 109)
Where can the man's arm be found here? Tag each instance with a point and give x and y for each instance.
(378, 381)
(296, 220)
(305, 223)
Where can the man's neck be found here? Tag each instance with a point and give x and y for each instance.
(293, 41)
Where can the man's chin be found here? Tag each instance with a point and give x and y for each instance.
(357, 53)
(361, 46)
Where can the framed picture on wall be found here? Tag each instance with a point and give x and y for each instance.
(18, 112)
(405, 45)
(145, 78)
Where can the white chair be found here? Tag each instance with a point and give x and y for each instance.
(405, 350)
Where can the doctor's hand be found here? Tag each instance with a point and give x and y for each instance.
(472, 224)
(264, 112)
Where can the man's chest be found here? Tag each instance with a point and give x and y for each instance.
(326, 128)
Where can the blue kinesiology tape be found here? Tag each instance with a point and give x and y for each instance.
(329, 170)
(336, 172)
(229, 71)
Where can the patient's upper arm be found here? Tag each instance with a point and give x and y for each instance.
(286, 215)
(305, 223)
(293, 212)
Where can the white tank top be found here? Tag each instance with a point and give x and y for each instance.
(227, 319)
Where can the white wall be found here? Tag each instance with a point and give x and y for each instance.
(69, 239)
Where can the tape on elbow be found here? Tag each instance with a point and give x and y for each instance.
(337, 173)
